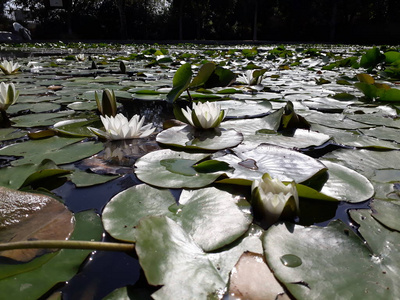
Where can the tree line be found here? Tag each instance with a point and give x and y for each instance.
(337, 21)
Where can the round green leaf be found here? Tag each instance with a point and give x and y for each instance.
(169, 256)
(321, 263)
(346, 184)
(173, 169)
(191, 138)
(58, 149)
(281, 163)
(123, 212)
(245, 108)
(213, 218)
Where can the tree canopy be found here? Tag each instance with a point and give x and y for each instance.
(347, 21)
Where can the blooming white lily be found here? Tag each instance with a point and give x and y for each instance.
(8, 95)
(8, 67)
(271, 198)
(119, 128)
(204, 115)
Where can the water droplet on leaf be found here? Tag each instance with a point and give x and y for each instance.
(290, 260)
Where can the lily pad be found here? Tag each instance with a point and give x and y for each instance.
(11, 133)
(123, 212)
(245, 108)
(320, 263)
(60, 150)
(300, 138)
(77, 127)
(281, 163)
(41, 119)
(61, 267)
(85, 179)
(212, 217)
(27, 216)
(169, 256)
(345, 184)
(173, 169)
(191, 138)
(31, 174)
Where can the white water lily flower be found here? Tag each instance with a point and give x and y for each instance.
(204, 115)
(8, 67)
(271, 198)
(8, 95)
(246, 78)
(119, 128)
(80, 57)
(252, 77)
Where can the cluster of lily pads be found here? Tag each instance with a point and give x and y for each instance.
(262, 143)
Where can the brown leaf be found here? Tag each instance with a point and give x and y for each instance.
(251, 279)
(28, 216)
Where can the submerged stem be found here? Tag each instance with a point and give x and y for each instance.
(68, 244)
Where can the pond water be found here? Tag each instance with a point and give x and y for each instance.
(346, 128)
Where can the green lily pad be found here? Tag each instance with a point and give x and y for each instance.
(121, 215)
(281, 163)
(383, 133)
(31, 174)
(80, 105)
(173, 169)
(41, 119)
(33, 107)
(212, 217)
(320, 263)
(345, 184)
(191, 138)
(11, 133)
(169, 256)
(387, 212)
(77, 127)
(301, 138)
(245, 108)
(58, 149)
(376, 119)
(85, 179)
(366, 161)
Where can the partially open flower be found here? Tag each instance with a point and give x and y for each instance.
(272, 199)
(204, 115)
(8, 95)
(80, 57)
(252, 77)
(119, 128)
(8, 67)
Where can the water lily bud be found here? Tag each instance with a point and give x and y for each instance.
(108, 104)
(204, 115)
(119, 128)
(8, 95)
(272, 199)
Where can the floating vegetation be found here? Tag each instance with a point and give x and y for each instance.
(321, 120)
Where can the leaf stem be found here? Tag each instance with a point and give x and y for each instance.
(68, 244)
(190, 96)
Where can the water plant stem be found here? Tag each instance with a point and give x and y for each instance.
(68, 244)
